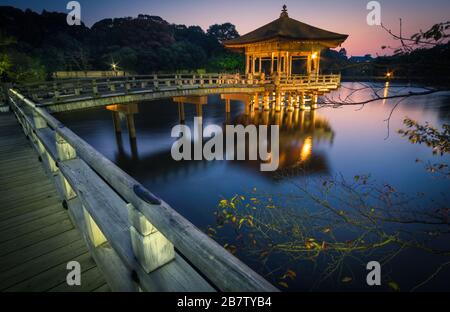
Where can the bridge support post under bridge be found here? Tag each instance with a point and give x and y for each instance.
(227, 106)
(116, 122)
(131, 126)
(181, 115)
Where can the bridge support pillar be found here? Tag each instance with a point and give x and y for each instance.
(152, 249)
(266, 101)
(247, 105)
(227, 106)
(198, 110)
(290, 106)
(302, 101)
(131, 126)
(255, 102)
(314, 101)
(277, 101)
(116, 122)
(181, 116)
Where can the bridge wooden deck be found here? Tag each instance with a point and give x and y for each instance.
(37, 238)
(137, 240)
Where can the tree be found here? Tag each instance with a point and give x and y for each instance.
(223, 32)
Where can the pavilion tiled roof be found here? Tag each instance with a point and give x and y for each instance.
(290, 29)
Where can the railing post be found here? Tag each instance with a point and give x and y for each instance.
(65, 152)
(155, 82)
(39, 122)
(152, 249)
(55, 91)
(127, 86)
(94, 87)
(77, 89)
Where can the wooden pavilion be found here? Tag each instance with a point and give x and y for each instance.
(285, 47)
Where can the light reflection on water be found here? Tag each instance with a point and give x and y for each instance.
(346, 140)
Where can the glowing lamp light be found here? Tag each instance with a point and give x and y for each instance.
(388, 75)
(114, 66)
(314, 56)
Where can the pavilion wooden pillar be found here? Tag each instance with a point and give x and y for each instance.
(272, 63)
(247, 64)
(286, 63)
(279, 63)
(308, 65)
(253, 64)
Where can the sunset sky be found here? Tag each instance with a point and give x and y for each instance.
(346, 16)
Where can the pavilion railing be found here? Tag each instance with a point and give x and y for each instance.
(155, 245)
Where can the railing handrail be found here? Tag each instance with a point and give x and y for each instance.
(202, 251)
(163, 77)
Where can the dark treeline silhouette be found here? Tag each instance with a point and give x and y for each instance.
(34, 45)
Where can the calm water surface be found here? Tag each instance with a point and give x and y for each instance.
(347, 140)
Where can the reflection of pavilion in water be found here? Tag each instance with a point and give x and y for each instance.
(300, 131)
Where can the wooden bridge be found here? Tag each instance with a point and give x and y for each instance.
(69, 94)
(37, 238)
(137, 240)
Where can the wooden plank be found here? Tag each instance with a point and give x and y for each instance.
(27, 217)
(56, 276)
(91, 280)
(35, 266)
(38, 249)
(28, 207)
(32, 226)
(35, 237)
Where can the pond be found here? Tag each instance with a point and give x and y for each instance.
(329, 143)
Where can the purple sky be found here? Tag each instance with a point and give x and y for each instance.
(345, 16)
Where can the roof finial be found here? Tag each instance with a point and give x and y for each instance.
(284, 12)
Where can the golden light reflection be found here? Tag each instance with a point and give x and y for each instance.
(385, 92)
(306, 150)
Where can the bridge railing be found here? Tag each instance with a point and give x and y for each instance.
(61, 89)
(137, 238)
